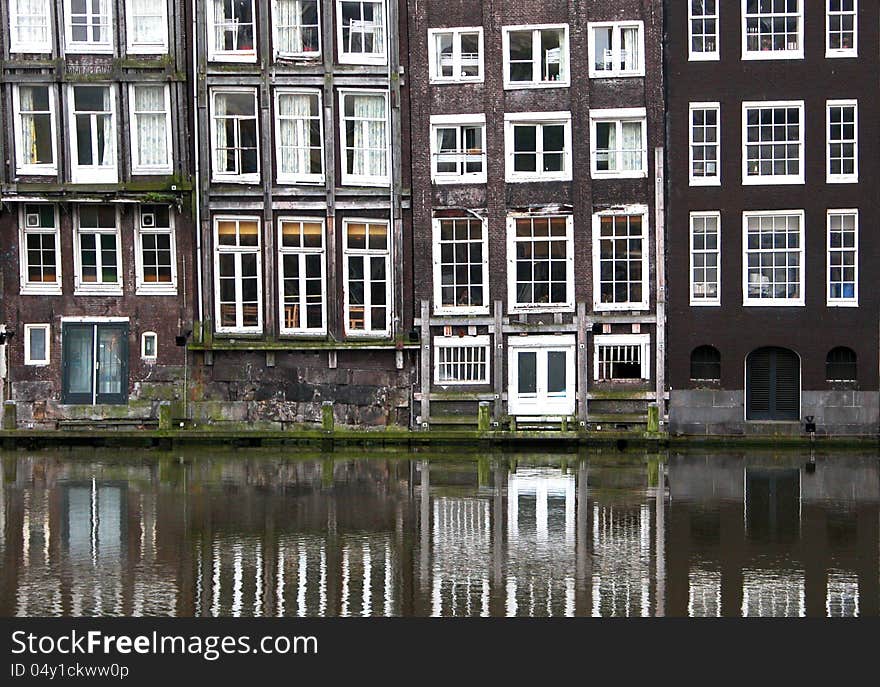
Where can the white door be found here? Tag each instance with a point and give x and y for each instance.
(541, 379)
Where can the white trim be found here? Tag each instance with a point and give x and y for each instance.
(540, 404)
(305, 55)
(96, 173)
(788, 54)
(773, 302)
(362, 58)
(851, 302)
(280, 177)
(841, 178)
(628, 211)
(40, 48)
(707, 180)
(86, 319)
(513, 306)
(38, 288)
(142, 287)
(643, 341)
(778, 179)
(359, 179)
(238, 251)
(842, 52)
(457, 122)
(42, 362)
(539, 119)
(615, 49)
(89, 47)
(136, 166)
(707, 56)
(536, 29)
(702, 302)
(101, 288)
(144, 356)
(228, 177)
(456, 32)
(215, 55)
(366, 252)
(439, 308)
(618, 116)
(133, 48)
(300, 252)
(35, 169)
(483, 342)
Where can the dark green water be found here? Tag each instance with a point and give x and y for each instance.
(260, 533)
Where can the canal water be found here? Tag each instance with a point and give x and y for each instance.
(254, 532)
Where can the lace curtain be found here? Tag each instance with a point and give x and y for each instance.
(632, 146)
(630, 44)
(108, 159)
(294, 110)
(370, 153)
(220, 111)
(149, 105)
(28, 125)
(149, 27)
(31, 21)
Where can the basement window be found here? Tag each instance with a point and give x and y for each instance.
(618, 357)
(36, 344)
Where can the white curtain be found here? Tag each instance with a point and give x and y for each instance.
(630, 40)
(294, 110)
(109, 157)
(611, 155)
(31, 20)
(28, 125)
(220, 20)
(220, 110)
(632, 146)
(148, 25)
(149, 105)
(369, 135)
(288, 21)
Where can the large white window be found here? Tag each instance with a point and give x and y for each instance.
(155, 254)
(843, 257)
(97, 251)
(40, 250)
(35, 147)
(231, 34)
(705, 144)
(88, 26)
(705, 258)
(620, 259)
(456, 55)
(842, 156)
(301, 276)
(538, 146)
(458, 149)
(37, 341)
(235, 135)
(238, 275)
(297, 27)
(535, 56)
(773, 142)
(30, 26)
(772, 29)
(841, 28)
(619, 143)
(146, 25)
(93, 134)
(299, 136)
(461, 265)
(621, 357)
(150, 121)
(461, 360)
(773, 257)
(367, 272)
(617, 49)
(366, 152)
(540, 263)
(703, 29)
(361, 32)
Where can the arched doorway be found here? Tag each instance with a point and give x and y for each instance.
(773, 385)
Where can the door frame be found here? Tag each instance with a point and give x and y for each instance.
(565, 343)
(96, 324)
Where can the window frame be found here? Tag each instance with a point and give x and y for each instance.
(704, 302)
(832, 53)
(781, 179)
(45, 47)
(643, 341)
(101, 288)
(93, 174)
(515, 307)
(366, 333)
(149, 358)
(853, 301)
(301, 252)
(26, 287)
(841, 178)
(629, 211)
(437, 265)
(362, 58)
(536, 29)
(226, 177)
(457, 122)
(304, 55)
(773, 302)
(21, 168)
(482, 341)
(215, 55)
(37, 362)
(772, 54)
(89, 47)
(616, 27)
(706, 180)
(285, 178)
(237, 251)
(539, 120)
(359, 179)
(618, 116)
(133, 48)
(433, 76)
(707, 56)
(143, 287)
(136, 166)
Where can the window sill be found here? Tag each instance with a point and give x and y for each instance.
(243, 57)
(842, 179)
(539, 309)
(371, 336)
(617, 75)
(35, 171)
(97, 291)
(232, 332)
(712, 181)
(531, 85)
(153, 171)
(357, 59)
(536, 179)
(42, 363)
(843, 304)
(147, 50)
(451, 181)
(835, 54)
(772, 181)
(452, 311)
(619, 175)
(774, 303)
(101, 49)
(156, 291)
(85, 177)
(615, 307)
(31, 49)
(365, 181)
(705, 304)
(759, 55)
(304, 56)
(253, 179)
(313, 180)
(311, 334)
(54, 290)
(446, 82)
(704, 57)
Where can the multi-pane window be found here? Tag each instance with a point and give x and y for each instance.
(842, 164)
(155, 251)
(299, 136)
(540, 263)
(30, 26)
(617, 49)
(705, 258)
(365, 138)
(367, 278)
(237, 274)
(301, 257)
(772, 29)
(841, 22)
(535, 56)
(150, 129)
(146, 25)
(843, 257)
(98, 255)
(703, 29)
(620, 357)
(361, 31)
(619, 143)
(40, 250)
(461, 360)
(235, 135)
(88, 26)
(231, 35)
(461, 267)
(36, 344)
(458, 149)
(538, 146)
(773, 143)
(841, 365)
(93, 134)
(620, 250)
(774, 257)
(456, 55)
(297, 26)
(705, 144)
(35, 130)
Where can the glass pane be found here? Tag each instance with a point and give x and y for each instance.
(527, 372)
(79, 360)
(556, 382)
(110, 362)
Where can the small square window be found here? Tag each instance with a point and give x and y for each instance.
(149, 346)
(536, 56)
(617, 49)
(456, 55)
(36, 344)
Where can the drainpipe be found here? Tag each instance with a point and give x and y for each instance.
(197, 164)
(2, 365)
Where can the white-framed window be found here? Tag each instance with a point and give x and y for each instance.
(301, 275)
(705, 144)
(97, 251)
(461, 265)
(705, 258)
(146, 26)
(149, 347)
(35, 129)
(30, 26)
(366, 152)
(458, 149)
(843, 257)
(461, 360)
(93, 134)
(537, 146)
(88, 26)
(40, 249)
(231, 31)
(37, 342)
(617, 49)
(773, 142)
(361, 31)
(299, 136)
(235, 139)
(150, 120)
(620, 259)
(456, 55)
(773, 257)
(703, 30)
(155, 251)
(842, 154)
(238, 274)
(619, 143)
(535, 56)
(540, 263)
(841, 28)
(621, 357)
(297, 28)
(772, 29)
(367, 277)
